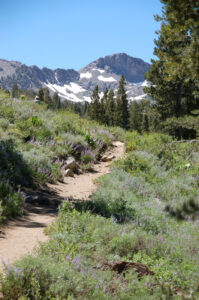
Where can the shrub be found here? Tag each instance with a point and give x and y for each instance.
(11, 202)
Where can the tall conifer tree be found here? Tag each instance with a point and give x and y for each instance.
(15, 91)
(135, 117)
(110, 109)
(56, 101)
(41, 94)
(175, 75)
(122, 109)
(94, 107)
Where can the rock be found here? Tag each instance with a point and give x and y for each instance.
(107, 158)
(79, 148)
(69, 173)
(78, 171)
(70, 163)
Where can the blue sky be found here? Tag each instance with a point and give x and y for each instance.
(72, 33)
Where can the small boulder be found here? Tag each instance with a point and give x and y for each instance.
(78, 171)
(69, 173)
(79, 148)
(70, 163)
(107, 158)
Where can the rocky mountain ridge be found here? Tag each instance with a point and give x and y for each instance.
(78, 85)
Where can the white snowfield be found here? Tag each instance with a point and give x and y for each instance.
(106, 79)
(137, 98)
(86, 98)
(101, 94)
(74, 87)
(67, 91)
(85, 75)
(145, 83)
(99, 70)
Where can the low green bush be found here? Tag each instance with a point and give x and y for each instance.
(11, 202)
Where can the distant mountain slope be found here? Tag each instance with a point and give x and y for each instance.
(78, 85)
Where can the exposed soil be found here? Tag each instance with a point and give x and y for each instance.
(20, 236)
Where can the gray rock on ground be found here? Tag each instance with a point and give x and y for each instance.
(70, 163)
(68, 173)
(107, 158)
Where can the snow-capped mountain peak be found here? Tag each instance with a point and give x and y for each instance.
(77, 86)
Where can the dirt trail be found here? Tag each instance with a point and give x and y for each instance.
(20, 236)
(81, 186)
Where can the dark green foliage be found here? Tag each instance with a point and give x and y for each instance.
(13, 167)
(110, 109)
(41, 94)
(122, 110)
(135, 117)
(48, 99)
(143, 117)
(56, 101)
(94, 107)
(182, 128)
(15, 91)
(174, 76)
(103, 104)
(14, 172)
(12, 202)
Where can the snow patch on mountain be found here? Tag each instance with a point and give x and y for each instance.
(138, 98)
(86, 98)
(85, 75)
(99, 70)
(145, 83)
(64, 93)
(74, 87)
(106, 79)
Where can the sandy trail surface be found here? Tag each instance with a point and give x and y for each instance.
(22, 235)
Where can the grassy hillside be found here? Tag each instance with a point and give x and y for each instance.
(35, 142)
(143, 216)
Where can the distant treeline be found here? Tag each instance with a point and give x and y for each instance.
(110, 109)
(117, 110)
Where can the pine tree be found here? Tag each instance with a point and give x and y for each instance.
(175, 75)
(135, 118)
(145, 123)
(110, 109)
(103, 103)
(48, 99)
(122, 110)
(56, 102)
(41, 95)
(15, 91)
(94, 107)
